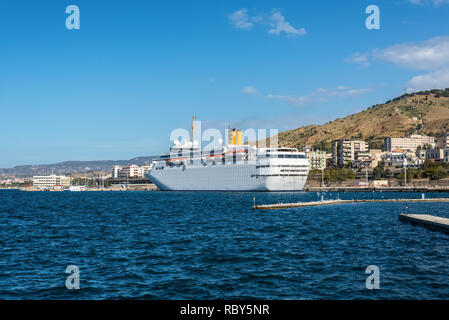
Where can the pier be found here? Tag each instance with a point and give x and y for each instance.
(427, 221)
(379, 189)
(338, 201)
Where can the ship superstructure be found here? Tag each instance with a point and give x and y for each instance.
(231, 167)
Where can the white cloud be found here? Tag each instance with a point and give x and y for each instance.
(425, 55)
(359, 58)
(276, 21)
(340, 92)
(318, 95)
(251, 90)
(278, 24)
(431, 55)
(436, 3)
(291, 99)
(240, 19)
(433, 80)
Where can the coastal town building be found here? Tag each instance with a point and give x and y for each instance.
(51, 182)
(131, 171)
(376, 157)
(446, 155)
(317, 159)
(8, 181)
(396, 159)
(436, 154)
(115, 171)
(408, 144)
(362, 160)
(443, 142)
(329, 160)
(421, 153)
(398, 156)
(348, 150)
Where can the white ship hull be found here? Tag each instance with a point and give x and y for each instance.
(227, 177)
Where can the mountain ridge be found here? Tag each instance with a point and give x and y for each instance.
(68, 167)
(424, 112)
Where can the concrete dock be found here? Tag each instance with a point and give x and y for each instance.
(338, 201)
(379, 189)
(426, 220)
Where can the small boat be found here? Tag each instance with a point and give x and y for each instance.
(78, 188)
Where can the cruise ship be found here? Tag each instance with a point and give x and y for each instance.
(230, 167)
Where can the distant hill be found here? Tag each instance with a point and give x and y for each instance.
(425, 112)
(69, 167)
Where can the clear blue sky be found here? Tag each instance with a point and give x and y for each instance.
(135, 70)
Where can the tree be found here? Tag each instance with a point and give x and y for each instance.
(438, 173)
(380, 172)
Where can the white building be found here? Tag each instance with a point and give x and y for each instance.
(317, 159)
(396, 159)
(408, 144)
(132, 171)
(116, 171)
(51, 182)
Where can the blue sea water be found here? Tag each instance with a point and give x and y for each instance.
(185, 245)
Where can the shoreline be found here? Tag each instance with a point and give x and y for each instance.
(375, 189)
(306, 189)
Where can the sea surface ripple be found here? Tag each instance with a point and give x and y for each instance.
(188, 245)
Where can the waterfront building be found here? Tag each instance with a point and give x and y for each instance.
(421, 153)
(347, 150)
(436, 154)
(116, 171)
(397, 158)
(362, 159)
(376, 156)
(131, 171)
(143, 170)
(443, 142)
(408, 144)
(317, 159)
(329, 160)
(51, 182)
(446, 154)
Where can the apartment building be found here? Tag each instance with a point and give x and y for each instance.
(131, 171)
(115, 171)
(317, 159)
(347, 150)
(408, 144)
